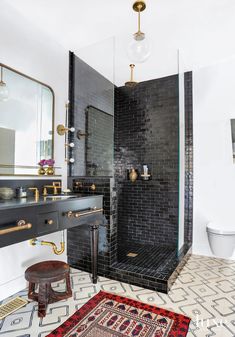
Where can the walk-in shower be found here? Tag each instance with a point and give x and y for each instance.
(148, 230)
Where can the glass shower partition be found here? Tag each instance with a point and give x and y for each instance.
(185, 215)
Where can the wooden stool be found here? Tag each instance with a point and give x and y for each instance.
(43, 274)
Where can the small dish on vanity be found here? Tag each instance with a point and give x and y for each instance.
(6, 193)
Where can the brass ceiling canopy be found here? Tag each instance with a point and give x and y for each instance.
(139, 6)
(131, 83)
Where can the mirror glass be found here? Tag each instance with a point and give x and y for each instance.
(26, 124)
(99, 142)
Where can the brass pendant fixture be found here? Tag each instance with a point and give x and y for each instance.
(131, 83)
(139, 6)
(139, 48)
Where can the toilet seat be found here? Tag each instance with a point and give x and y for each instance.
(215, 229)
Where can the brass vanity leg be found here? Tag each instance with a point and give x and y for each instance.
(94, 251)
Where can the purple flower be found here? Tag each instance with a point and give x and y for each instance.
(50, 162)
(42, 162)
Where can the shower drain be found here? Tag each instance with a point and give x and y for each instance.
(11, 306)
(132, 254)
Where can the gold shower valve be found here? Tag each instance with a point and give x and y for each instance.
(61, 129)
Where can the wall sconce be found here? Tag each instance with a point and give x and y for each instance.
(4, 92)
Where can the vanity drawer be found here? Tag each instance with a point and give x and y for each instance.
(73, 221)
(16, 226)
(47, 222)
(81, 207)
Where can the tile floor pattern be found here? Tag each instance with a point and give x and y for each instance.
(204, 290)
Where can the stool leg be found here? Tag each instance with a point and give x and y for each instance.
(43, 299)
(31, 292)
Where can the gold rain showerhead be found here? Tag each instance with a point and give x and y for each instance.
(131, 83)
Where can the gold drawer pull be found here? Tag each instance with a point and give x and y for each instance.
(77, 214)
(50, 222)
(21, 225)
(92, 211)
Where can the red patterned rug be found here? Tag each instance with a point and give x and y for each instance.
(109, 315)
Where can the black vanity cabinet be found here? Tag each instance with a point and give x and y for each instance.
(23, 221)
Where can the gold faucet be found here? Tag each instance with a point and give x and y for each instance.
(55, 185)
(36, 192)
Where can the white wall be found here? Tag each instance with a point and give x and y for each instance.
(214, 171)
(25, 48)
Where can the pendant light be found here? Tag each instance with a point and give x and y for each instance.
(3, 88)
(139, 48)
(131, 83)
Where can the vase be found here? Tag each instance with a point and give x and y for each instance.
(133, 175)
(41, 171)
(50, 171)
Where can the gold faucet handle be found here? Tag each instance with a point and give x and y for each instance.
(57, 184)
(44, 193)
(36, 191)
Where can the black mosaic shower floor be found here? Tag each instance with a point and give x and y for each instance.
(148, 258)
(145, 256)
(152, 267)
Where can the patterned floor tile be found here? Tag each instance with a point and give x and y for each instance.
(204, 290)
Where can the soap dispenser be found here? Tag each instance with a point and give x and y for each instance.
(133, 175)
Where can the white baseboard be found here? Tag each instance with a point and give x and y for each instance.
(12, 287)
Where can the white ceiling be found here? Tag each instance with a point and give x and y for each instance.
(203, 31)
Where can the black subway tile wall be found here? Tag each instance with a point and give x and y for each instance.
(147, 132)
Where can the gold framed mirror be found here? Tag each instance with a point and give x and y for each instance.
(26, 122)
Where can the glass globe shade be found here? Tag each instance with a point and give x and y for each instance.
(138, 50)
(4, 92)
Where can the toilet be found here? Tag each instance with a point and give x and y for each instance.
(221, 239)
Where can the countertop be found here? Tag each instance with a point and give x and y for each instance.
(26, 202)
